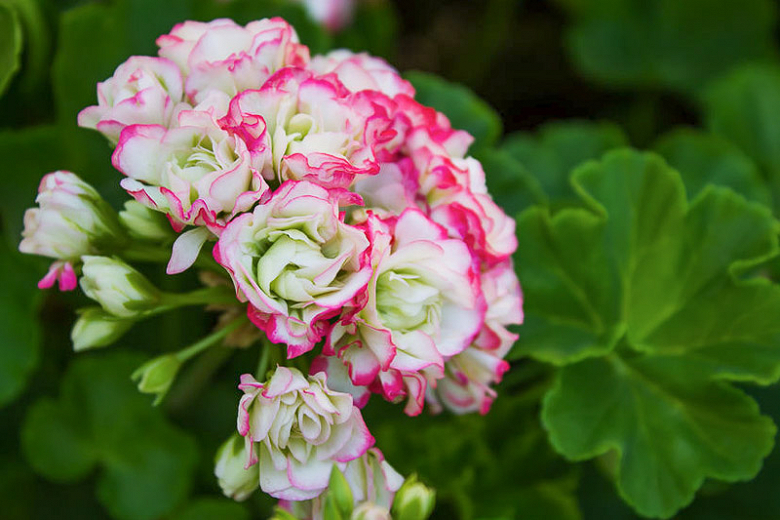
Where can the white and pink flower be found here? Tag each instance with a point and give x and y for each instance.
(296, 262)
(361, 71)
(143, 90)
(423, 303)
(372, 483)
(298, 430)
(71, 220)
(197, 174)
(222, 55)
(309, 124)
(466, 386)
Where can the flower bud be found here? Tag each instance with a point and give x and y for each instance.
(145, 223)
(117, 287)
(97, 328)
(370, 511)
(338, 501)
(414, 501)
(156, 375)
(282, 514)
(236, 481)
(71, 219)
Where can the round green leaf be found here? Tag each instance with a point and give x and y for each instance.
(671, 44)
(670, 424)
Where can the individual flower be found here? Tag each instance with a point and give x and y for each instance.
(298, 430)
(71, 220)
(197, 174)
(143, 90)
(310, 126)
(423, 302)
(361, 71)
(364, 490)
(296, 262)
(222, 55)
(118, 288)
(466, 386)
(236, 481)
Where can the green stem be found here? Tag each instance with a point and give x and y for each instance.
(213, 338)
(262, 363)
(204, 296)
(155, 253)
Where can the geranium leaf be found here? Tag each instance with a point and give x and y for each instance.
(667, 43)
(19, 328)
(10, 45)
(644, 297)
(703, 158)
(556, 148)
(670, 423)
(100, 419)
(744, 107)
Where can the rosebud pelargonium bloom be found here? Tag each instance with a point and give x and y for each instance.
(370, 482)
(196, 173)
(310, 126)
(143, 90)
(296, 262)
(71, 220)
(222, 55)
(297, 430)
(466, 386)
(422, 303)
(361, 71)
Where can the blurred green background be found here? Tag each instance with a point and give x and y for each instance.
(545, 85)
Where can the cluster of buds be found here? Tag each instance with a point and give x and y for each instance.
(350, 223)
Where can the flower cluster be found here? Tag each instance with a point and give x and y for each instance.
(348, 217)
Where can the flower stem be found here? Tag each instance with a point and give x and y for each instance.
(203, 296)
(213, 338)
(262, 363)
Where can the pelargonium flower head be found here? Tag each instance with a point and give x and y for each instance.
(422, 303)
(297, 429)
(225, 56)
(143, 90)
(196, 173)
(466, 386)
(71, 220)
(309, 124)
(361, 71)
(296, 262)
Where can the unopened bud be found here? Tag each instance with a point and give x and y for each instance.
(157, 375)
(414, 501)
(229, 467)
(97, 328)
(117, 287)
(144, 223)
